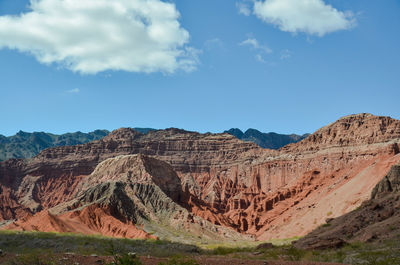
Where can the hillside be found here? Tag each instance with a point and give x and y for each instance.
(377, 219)
(27, 145)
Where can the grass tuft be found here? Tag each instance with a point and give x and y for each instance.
(178, 260)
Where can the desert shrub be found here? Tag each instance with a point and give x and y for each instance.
(125, 260)
(295, 254)
(377, 258)
(227, 250)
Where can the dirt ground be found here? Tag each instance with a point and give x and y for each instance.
(147, 260)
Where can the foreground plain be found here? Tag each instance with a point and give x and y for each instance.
(55, 248)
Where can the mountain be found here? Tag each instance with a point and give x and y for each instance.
(144, 130)
(214, 183)
(377, 219)
(266, 140)
(27, 145)
(123, 197)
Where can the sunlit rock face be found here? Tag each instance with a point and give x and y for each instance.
(208, 181)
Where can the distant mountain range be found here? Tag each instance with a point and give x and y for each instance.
(267, 140)
(27, 145)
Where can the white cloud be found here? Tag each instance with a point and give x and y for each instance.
(255, 45)
(91, 36)
(259, 58)
(190, 59)
(243, 9)
(74, 91)
(312, 17)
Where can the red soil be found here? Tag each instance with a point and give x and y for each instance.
(91, 220)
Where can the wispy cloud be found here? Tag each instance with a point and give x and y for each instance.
(74, 91)
(256, 46)
(243, 8)
(259, 58)
(213, 43)
(286, 54)
(252, 42)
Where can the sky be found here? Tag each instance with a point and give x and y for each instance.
(287, 66)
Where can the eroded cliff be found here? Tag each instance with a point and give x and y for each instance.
(216, 178)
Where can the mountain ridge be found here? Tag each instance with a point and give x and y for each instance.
(269, 140)
(27, 145)
(226, 182)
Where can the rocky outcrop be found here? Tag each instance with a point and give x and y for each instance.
(376, 219)
(125, 196)
(212, 180)
(353, 130)
(390, 183)
(90, 221)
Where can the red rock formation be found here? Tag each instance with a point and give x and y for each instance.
(223, 180)
(121, 192)
(376, 219)
(91, 220)
(290, 192)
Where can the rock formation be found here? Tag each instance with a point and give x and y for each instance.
(27, 145)
(123, 197)
(215, 182)
(376, 219)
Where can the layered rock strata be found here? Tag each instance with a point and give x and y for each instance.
(376, 219)
(223, 181)
(126, 196)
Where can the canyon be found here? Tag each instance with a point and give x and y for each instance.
(186, 186)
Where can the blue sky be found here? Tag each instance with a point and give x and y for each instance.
(235, 69)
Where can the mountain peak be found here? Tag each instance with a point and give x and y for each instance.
(123, 133)
(269, 140)
(352, 130)
(235, 132)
